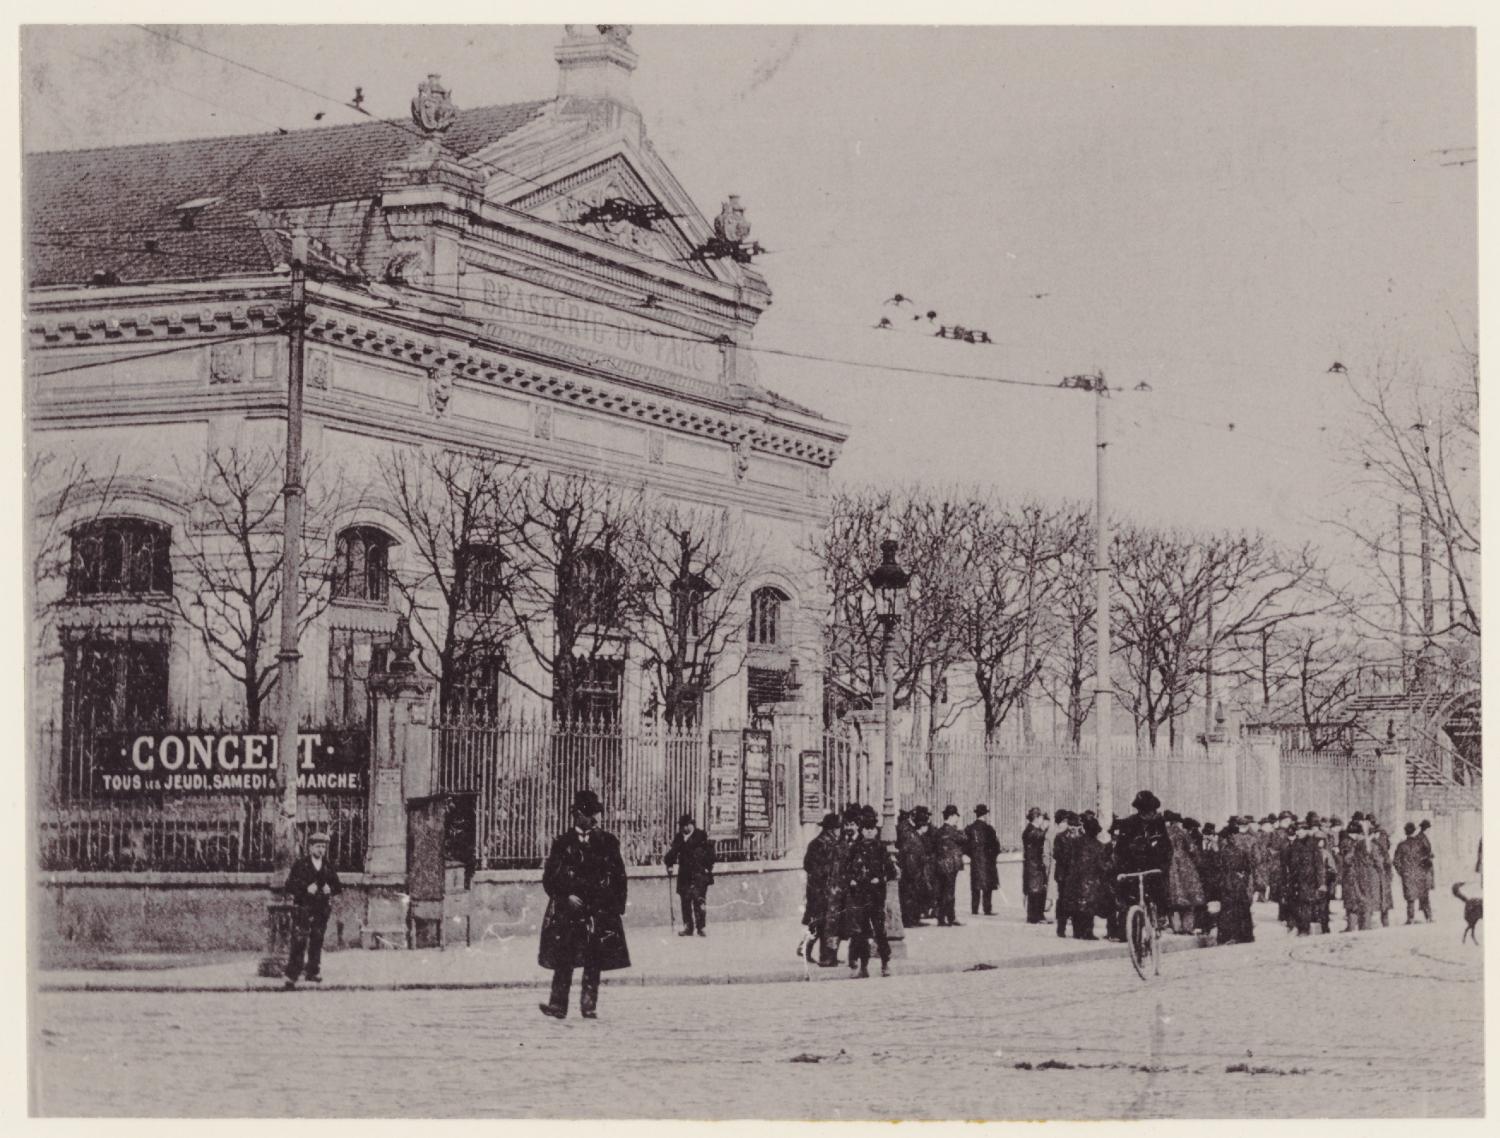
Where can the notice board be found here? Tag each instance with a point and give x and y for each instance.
(756, 818)
(810, 764)
(725, 766)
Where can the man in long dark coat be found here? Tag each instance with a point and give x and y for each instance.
(1361, 879)
(984, 853)
(1237, 860)
(948, 845)
(823, 864)
(1034, 865)
(1380, 849)
(1088, 887)
(867, 868)
(1210, 873)
(585, 882)
(1413, 861)
(1062, 860)
(692, 848)
(916, 870)
(312, 885)
(1302, 878)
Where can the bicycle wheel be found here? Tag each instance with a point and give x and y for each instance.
(1138, 938)
(1155, 950)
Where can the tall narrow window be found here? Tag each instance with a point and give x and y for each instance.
(765, 615)
(595, 592)
(480, 579)
(361, 565)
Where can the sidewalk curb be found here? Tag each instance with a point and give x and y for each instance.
(770, 976)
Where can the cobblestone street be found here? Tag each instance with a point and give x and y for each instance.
(1387, 1022)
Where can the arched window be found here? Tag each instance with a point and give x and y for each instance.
(120, 556)
(361, 565)
(595, 594)
(481, 583)
(765, 615)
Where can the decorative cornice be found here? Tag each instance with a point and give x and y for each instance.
(160, 322)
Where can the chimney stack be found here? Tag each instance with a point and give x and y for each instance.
(594, 62)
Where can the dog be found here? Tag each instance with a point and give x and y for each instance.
(1473, 913)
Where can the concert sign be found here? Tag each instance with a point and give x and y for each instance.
(226, 762)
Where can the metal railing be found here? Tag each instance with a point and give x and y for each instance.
(525, 771)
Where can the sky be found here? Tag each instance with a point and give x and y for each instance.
(1220, 213)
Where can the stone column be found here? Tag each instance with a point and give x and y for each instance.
(402, 764)
(1268, 748)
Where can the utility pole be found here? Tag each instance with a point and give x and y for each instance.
(1401, 591)
(1103, 690)
(1208, 670)
(285, 833)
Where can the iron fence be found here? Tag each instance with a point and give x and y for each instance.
(229, 833)
(1337, 784)
(524, 773)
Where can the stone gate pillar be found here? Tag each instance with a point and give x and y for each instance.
(402, 761)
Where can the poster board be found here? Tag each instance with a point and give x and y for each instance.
(810, 767)
(725, 767)
(758, 803)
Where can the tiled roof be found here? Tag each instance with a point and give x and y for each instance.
(90, 210)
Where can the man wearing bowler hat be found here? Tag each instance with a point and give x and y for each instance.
(312, 885)
(984, 854)
(585, 883)
(692, 848)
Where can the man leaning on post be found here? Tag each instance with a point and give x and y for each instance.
(312, 885)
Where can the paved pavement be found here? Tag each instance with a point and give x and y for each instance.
(732, 952)
(1385, 1023)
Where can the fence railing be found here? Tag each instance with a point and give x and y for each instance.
(230, 833)
(525, 772)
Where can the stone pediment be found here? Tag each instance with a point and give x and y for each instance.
(589, 201)
(583, 152)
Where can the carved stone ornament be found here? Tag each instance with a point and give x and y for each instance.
(741, 458)
(317, 370)
(573, 206)
(615, 33)
(656, 447)
(731, 225)
(541, 426)
(226, 363)
(408, 267)
(439, 389)
(432, 109)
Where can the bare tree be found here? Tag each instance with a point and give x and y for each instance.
(1417, 446)
(233, 550)
(927, 526)
(573, 598)
(454, 588)
(1008, 582)
(1068, 636)
(693, 576)
(1167, 583)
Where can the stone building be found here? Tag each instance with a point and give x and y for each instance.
(527, 283)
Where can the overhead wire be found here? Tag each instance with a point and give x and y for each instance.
(184, 347)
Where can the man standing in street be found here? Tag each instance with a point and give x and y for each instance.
(866, 871)
(916, 874)
(948, 849)
(312, 885)
(1062, 860)
(585, 882)
(692, 848)
(823, 864)
(1413, 860)
(984, 853)
(1034, 865)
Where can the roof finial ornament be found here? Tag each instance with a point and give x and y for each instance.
(731, 225)
(432, 109)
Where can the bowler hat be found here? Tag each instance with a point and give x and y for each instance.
(1411, 827)
(920, 815)
(317, 837)
(950, 811)
(1145, 802)
(868, 819)
(1060, 815)
(1209, 828)
(686, 820)
(830, 821)
(981, 809)
(1426, 825)
(587, 802)
(1312, 816)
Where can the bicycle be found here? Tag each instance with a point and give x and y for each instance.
(1142, 930)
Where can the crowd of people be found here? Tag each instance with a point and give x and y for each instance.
(1210, 876)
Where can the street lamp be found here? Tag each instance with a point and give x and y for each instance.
(889, 583)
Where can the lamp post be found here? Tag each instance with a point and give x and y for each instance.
(889, 583)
